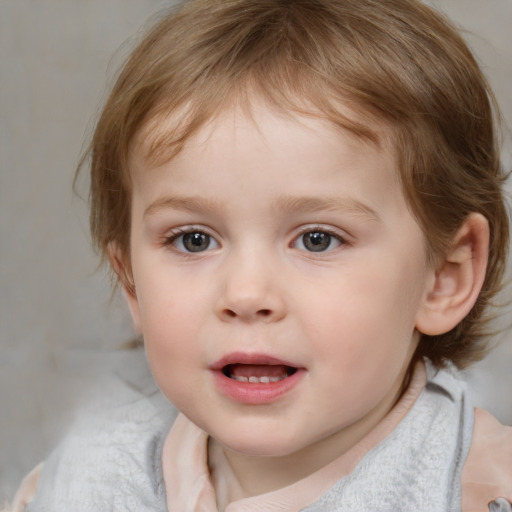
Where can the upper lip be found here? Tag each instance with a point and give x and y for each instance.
(248, 358)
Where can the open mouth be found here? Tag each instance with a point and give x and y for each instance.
(256, 379)
(258, 373)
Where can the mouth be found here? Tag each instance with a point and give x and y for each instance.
(256, 379)
(258, 373)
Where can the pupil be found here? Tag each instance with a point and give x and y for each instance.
(196, 242)
(317, 241)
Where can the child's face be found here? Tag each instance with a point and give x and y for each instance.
(279, 249)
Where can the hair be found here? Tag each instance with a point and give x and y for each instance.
(400, 68)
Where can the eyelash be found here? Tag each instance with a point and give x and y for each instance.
(182, 232)
(319, 229)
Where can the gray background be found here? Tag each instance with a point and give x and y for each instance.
(60, 329)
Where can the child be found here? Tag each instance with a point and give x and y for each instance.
(302, 201)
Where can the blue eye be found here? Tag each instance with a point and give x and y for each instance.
(317, 241)
(193, 241)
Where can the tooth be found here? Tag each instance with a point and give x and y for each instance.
(258, 380)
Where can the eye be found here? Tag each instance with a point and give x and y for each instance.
(317, 240)
(193, 241)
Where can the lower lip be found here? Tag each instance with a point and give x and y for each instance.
(256, 393)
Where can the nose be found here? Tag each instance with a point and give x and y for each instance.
(251, 292)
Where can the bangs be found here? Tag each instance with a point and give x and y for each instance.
(293, 92)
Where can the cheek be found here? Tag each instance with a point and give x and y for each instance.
(366, 322)
(171, 347)
(167, 323)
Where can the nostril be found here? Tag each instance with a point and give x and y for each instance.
(247, 315)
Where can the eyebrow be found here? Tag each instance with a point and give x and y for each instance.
(286, 204)
(290, 204)
(184, 203)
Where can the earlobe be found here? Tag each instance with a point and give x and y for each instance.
(123, 271)
(457, 282)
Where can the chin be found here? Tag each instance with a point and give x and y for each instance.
(260, 445)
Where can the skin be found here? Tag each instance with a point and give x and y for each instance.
(346, 315)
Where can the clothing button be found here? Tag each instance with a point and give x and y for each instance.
(500, 505)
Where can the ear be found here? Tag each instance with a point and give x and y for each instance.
(121, 266)
(457, 282)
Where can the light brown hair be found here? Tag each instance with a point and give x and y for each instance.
(398, 65)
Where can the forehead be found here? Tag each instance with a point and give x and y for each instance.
(284, 157)
(164, 135)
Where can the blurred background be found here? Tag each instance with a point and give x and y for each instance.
(60, 327)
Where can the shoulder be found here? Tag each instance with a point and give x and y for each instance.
(113, 459)
(487, 473)
(26, 491)
(111, 456)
